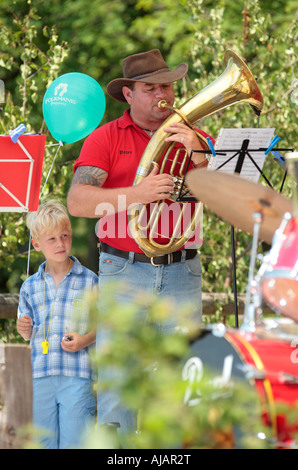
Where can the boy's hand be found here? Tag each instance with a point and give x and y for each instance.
(24, 327)
(77, 341)
(74, 344)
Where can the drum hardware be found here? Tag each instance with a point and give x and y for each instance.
(284, 329)
(252, 372)
(292, 164)
(217, 329)
(278, 238)
(287, 378)
(253, 304)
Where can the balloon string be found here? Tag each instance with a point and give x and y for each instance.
(60, 145)
(29, 251)
(47, 177)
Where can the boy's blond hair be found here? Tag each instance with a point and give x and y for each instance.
(50, 215)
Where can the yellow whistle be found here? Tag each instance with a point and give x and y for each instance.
(45, 347)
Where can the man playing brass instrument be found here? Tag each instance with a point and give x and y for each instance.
(103, 187)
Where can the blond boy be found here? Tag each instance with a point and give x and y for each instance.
(53, 315)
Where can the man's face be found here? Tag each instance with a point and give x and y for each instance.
(144, 99)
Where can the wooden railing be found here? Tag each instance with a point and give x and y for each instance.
(9, 305)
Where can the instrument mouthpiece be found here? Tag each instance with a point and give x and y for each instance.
(162, 104)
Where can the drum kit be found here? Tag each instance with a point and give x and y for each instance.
(263, 350)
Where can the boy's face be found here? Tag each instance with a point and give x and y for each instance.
(55, 245)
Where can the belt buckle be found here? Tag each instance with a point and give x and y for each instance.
(170, 260)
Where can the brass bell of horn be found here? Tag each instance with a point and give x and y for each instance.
(235, 85)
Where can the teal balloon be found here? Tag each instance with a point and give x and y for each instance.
(73, 106)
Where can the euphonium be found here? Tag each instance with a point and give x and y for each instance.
(236, 84)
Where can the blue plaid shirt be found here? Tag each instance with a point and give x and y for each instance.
(70, 313)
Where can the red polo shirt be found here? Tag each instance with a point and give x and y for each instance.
(117, 148)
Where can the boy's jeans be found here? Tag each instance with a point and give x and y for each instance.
(62, 408)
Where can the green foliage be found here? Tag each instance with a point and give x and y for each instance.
(149, 378)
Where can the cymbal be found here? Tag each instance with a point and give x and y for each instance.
(235, 199)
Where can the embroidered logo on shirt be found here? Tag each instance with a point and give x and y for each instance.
(79, 304)
(125, 152)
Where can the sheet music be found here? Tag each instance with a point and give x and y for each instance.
(229, 139)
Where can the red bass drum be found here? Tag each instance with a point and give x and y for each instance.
(269, 364)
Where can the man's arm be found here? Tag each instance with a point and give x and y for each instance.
(87, 198)
(85, 191)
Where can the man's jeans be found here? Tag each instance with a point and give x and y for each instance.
(180, 282)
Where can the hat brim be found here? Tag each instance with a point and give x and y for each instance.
(114, 88)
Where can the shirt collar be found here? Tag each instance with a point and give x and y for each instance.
(76, 267)
(126, 121)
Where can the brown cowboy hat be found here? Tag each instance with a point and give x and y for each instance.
(147, 67)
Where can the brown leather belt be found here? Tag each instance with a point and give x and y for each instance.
(155, 261)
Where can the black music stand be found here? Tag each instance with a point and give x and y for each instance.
(241, 153)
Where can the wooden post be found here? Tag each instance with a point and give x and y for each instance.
(15, 393)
